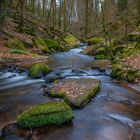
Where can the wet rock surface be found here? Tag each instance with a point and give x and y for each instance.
(77, 92)
(53, 76)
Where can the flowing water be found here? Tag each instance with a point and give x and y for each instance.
(114, 114)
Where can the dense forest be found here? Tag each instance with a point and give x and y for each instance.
(69, 69)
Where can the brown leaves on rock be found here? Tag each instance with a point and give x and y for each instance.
(74, 88)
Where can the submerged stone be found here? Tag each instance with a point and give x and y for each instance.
(76, 92)
(45, 114)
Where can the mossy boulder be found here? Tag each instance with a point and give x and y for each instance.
(99, 52)
(54, 45)
(55, 113)
(39, 70)
(123, 73)
(47, 45)
(16, 51)
(71, 40)
(15, 44)
(94, 40)
(76, 92)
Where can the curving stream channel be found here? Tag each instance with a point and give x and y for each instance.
(114, 114)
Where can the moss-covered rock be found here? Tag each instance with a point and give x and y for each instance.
(16, 51)
(15, 44)
(94, 40)
(123, 73)
(45, 114)
(38, 70)
(54, 45)
(71, 40)
(76, 92)
(99, 52)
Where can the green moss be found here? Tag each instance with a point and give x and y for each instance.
(45, 114)
(132, 74)
(15, 44)
(38, 70)
(71, 40)
(128, 52)
(117, 71)
(54, 45)
(123, 73)
(138, 45)
(101, 50)
(94, 40)
(16, 51)
(101, 56)
(40, 43)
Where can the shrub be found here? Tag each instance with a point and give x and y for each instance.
(45, 114)
(38, 70)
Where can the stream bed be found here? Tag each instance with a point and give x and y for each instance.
(114, 114)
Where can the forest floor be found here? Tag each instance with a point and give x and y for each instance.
(132, 61)
(31, 46)
(21, 60)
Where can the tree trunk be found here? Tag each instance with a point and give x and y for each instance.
(22, 6)
(86, 17)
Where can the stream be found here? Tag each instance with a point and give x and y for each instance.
(114, 114)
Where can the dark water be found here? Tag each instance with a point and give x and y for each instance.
(114, 114)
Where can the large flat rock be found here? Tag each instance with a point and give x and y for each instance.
(76, 92)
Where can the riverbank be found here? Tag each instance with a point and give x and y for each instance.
(31, 46)
(124, 57)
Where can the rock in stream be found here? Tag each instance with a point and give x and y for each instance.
(76, 92)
